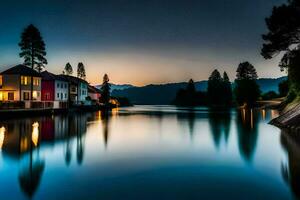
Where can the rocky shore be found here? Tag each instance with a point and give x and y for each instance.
(289, 117)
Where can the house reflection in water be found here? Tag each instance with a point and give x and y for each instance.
(22, 140)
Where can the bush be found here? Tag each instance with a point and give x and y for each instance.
(269, 95)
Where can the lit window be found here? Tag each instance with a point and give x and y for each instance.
(24, 80)
(1, 96)
(34, 94)
(36, 82)
(1, 82)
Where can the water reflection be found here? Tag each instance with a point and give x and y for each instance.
(247, 130)
(22, 139)
(219, 122)
(139, 140)
(189, 117)
(291, 170)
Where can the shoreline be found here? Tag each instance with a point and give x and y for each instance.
(289, 118)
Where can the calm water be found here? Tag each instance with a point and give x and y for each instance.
(149, 152)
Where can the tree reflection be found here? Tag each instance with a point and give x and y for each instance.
(219, 122)
(188, 115)
(105, 116)
(291, 171)
(247, 132)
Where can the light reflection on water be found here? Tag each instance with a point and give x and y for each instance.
(149, 152)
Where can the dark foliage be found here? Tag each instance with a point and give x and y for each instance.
(81, 71)
(105, 90)
(123, 101)
(33, 48)
(283, 88)
(269, 95)
(246, 89)
(246, 71)
(219, 91)
(189, 96)
(68, 69)
(283, 36)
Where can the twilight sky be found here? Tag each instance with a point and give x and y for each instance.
(142, 41)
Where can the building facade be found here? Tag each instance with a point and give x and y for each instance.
(78, 90)
(15, 85)
(55, 90)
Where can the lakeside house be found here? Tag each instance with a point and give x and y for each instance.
(15, 86)
(78, 90)
(55, 90)
(49, 91)
(94, 94)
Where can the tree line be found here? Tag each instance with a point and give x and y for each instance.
(221, 93)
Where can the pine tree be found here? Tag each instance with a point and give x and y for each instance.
(81, 71)
(33, 48)
(227, 91)
(246, 71)
(105, 88)
(68, 69)
(246, 89)
(215, 88)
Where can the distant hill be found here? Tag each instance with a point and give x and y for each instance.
(117, 87)
(155, 94)
(165, 93)
(270, 84)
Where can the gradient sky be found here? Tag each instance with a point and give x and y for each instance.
(142, 42)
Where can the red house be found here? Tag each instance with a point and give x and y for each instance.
(55, 90)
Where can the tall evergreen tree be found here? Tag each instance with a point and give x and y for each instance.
(33, 50)
(214, 88)
(189, 96)
(68, 69)
(105, 88)
(283, 37)
(227, 91)
(246, 89)
(246, 71)
(81, 71)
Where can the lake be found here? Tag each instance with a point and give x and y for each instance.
(149, 152)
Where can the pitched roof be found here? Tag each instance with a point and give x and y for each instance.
(72, 79)
(21, 70)
(92, 89)
(48, 76)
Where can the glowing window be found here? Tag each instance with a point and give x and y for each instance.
(1, 82)
(34, 94)
(25, 80)
(36, 82)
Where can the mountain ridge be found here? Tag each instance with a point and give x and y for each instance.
(165, 93)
